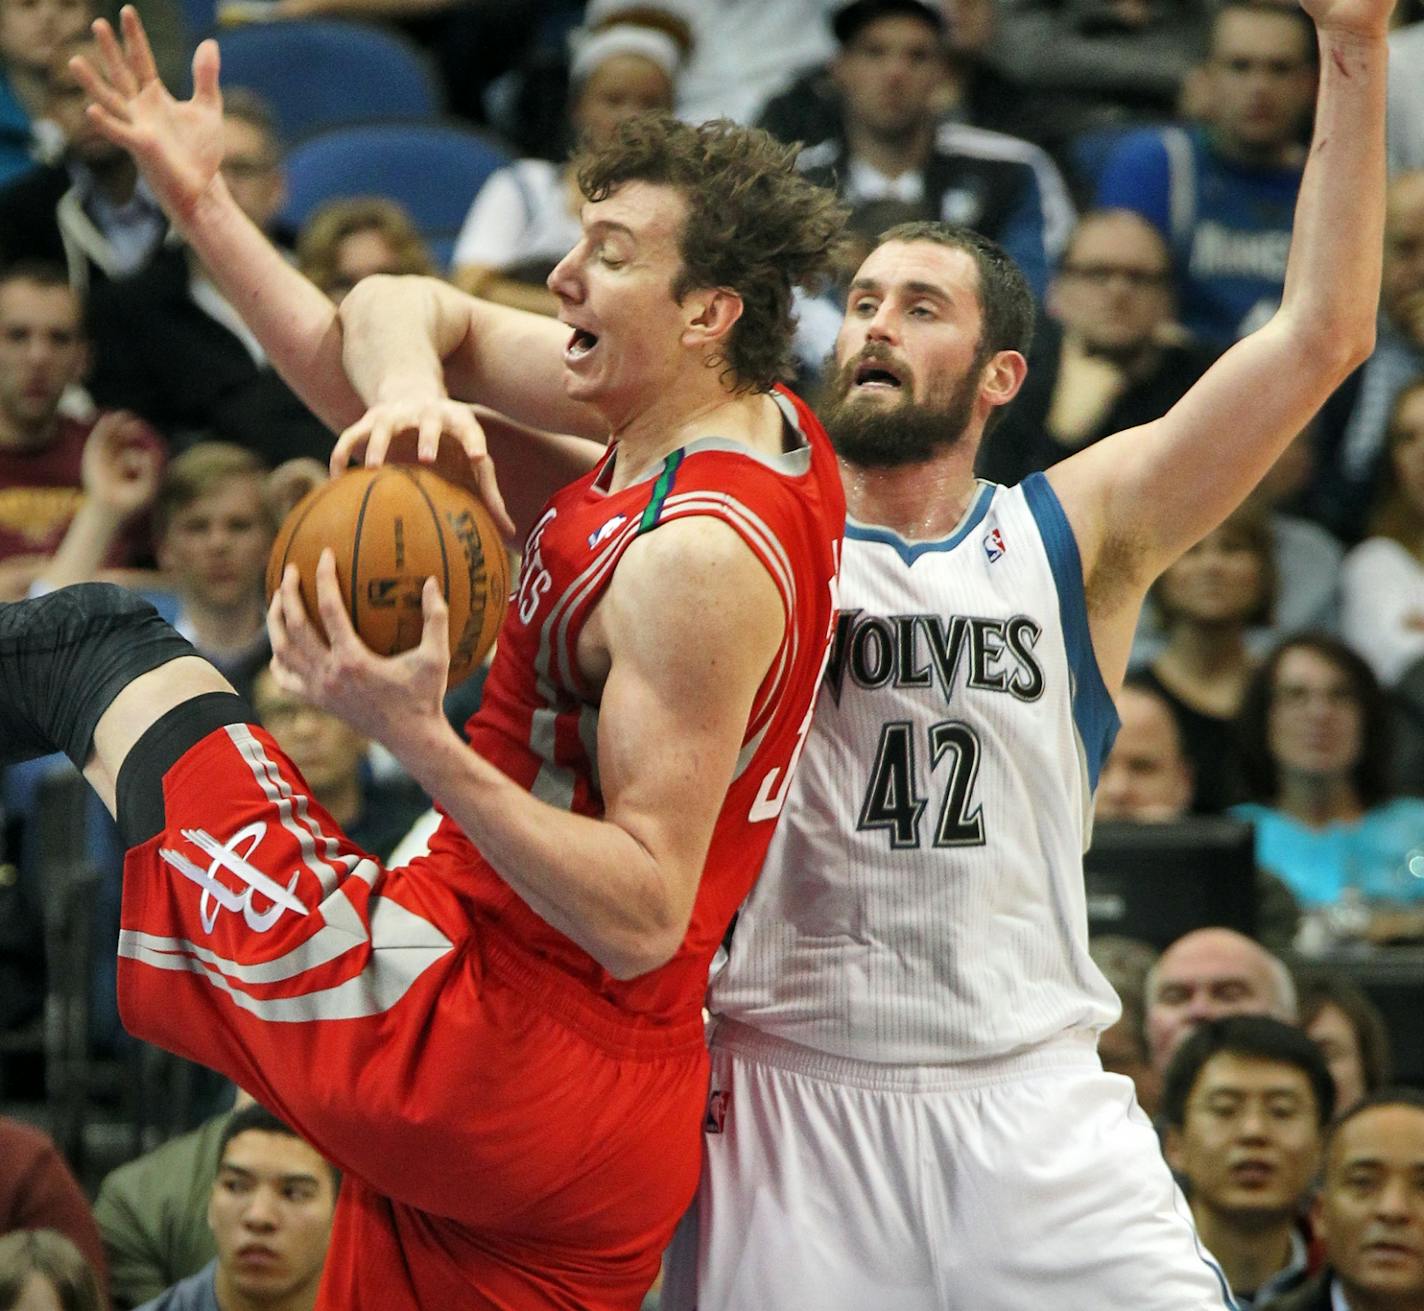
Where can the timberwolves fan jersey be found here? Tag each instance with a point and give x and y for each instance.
(922, 900)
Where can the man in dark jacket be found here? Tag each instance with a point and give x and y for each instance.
(1370, 1211)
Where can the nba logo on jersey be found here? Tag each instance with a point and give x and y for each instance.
(607, 530)
(718, 1102)
(994, 544)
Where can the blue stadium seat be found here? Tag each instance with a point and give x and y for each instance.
(433, 169)
(321, 73)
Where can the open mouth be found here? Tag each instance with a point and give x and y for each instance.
(580, 344)
(876, 374)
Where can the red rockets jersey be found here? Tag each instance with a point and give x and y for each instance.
(539, 723)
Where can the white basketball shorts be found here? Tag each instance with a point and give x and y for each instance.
(837, 1185)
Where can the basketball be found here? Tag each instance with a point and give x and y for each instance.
(391, 528)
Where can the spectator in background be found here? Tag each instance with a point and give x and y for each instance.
(1207, 974)
(1147, 779)
(1104, 358)
(42, 449)
(1223, 191)
(1122, 1047)
(1369, 1212)
(332, 757)
(524, 219)
(1313, 735)
(743, 52)
(1246, 1100)
(39, 1191)
(1092, 64)
(152, 1212)
(90, 213)
(1206, 602)
(892, 145)
(213, 530)
(41, 1270)
(1383, 580)
(1354, 422)
(213, 523)
(1305, 561)
(347, 240)
(1350, 1032)
(270, 1212)
(970, 90)
(31, 34)
(169, 346)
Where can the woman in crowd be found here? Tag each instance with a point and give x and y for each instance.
(1207, 601)
(1350, 1032)
(1313, 744)
(1382, 584)
(525, 218)
(347, 240)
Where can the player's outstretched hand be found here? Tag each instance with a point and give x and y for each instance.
(441, 433)
(390, 698)
(177, 143)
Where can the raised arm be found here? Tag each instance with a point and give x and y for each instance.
(410, 339)
(1140, 498)
(178, 145)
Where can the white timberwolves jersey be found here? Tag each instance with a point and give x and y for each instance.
(922, 900)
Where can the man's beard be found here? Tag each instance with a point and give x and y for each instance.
(879, 436)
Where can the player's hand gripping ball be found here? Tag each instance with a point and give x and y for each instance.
(391, 528)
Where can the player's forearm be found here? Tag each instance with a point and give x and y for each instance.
(588, 878)
(295, 322)
(1333, 273)
(397, 333)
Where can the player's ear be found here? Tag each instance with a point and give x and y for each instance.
(713, 313)
(1002, 377)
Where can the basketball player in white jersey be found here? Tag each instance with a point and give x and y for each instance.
(907, 1110)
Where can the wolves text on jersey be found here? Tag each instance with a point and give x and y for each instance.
(922, 650)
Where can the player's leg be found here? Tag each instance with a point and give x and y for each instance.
(87, 670)
(246, 911)
(1059, 1196)
(809, 1198)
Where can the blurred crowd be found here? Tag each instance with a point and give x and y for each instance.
(1139, 158)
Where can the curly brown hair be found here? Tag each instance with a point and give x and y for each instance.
(754, 225)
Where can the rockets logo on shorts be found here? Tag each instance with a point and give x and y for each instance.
(719, 1102)
(233, 857)
(994, 544)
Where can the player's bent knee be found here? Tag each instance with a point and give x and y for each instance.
(139, 791)
(65, 657)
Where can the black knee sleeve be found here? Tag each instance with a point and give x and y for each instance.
(65, 656)
(139, 787)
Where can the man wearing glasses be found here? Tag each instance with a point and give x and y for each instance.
(1108, 357)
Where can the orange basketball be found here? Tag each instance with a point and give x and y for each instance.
(391, 528)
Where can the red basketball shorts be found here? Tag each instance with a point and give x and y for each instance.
(509, 1139)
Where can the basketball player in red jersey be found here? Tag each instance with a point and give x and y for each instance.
(501, 1044)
